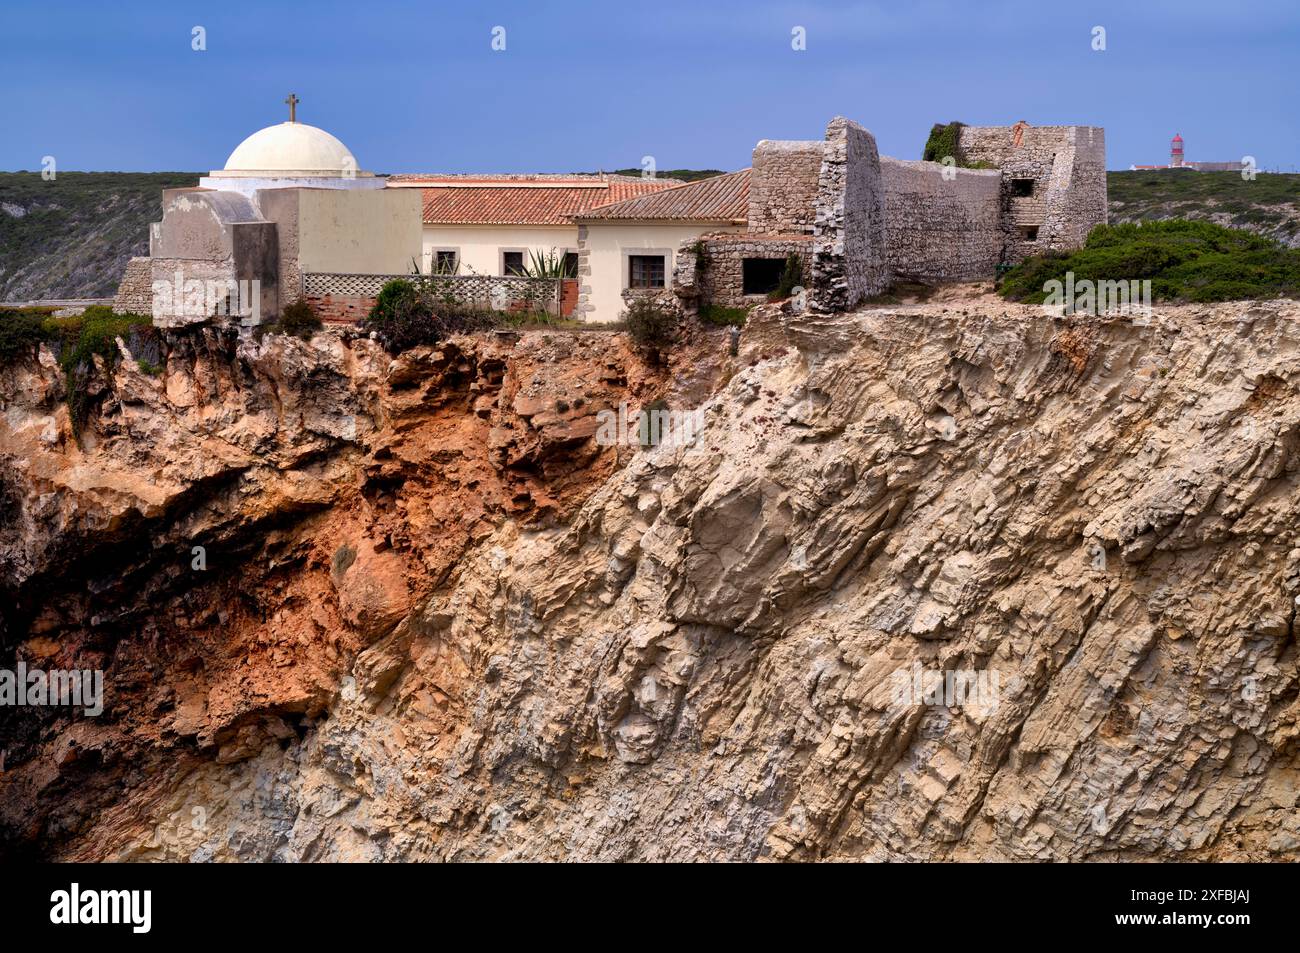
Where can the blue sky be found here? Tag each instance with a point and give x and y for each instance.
(417, 87)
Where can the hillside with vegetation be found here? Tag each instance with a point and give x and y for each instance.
(1185, 261)
(72, 237)
(1268, 205)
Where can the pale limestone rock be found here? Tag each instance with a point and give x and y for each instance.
(699, 662)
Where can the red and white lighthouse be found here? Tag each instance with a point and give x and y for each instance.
(1176, 151)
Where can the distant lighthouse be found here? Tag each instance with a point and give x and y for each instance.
(1176, 151)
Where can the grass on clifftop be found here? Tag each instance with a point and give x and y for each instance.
(1185, 261)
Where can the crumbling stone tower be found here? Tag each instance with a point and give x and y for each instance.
(821, 200)
(1053, 183)
(849, 261)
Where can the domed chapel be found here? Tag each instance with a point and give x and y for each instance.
(290, 200)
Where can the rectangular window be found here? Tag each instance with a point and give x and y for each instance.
(1029, 233)
(1022, 188)
(512, 263)
(760, 276)
(645, 271)
(444, 262)
(571, 264)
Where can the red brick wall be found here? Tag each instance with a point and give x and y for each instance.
(568, 296)
(340, 309)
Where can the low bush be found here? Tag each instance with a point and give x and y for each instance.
(404, 316)
(299, 319)
(1184, 260)
(401, 317)
(723, 316)
(945, 141)
(80, 338)
(21, 333)
(651, 327)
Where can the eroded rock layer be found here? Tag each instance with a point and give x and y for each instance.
(440, 620)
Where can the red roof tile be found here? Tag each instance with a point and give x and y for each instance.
(523, 200)
(722, 198)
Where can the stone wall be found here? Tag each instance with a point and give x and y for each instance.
(876, 220)
(783, 186)
(135, 291)
(721, 279)
(583, 309)
(941, 229)
(849, 261)
(1067, 166)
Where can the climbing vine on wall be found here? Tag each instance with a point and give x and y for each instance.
(945, 140)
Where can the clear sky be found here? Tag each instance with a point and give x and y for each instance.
(694, 83)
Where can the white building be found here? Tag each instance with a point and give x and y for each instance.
(293, 215)
(492, 224)
(633, 244)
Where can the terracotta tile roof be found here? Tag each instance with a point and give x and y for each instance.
(723, 198)
(522, 199)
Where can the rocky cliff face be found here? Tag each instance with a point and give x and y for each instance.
(440, 621)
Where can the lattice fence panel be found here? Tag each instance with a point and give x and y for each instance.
(497, 292)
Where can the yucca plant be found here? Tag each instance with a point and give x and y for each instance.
(548, 264)
(444, 267)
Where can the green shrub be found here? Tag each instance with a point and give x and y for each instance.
(550, 264)
(1184, 260)
(944, 141)
(394, 295)
(299, 319)
(78, 338)
(651, 327)
(701, 252)
(722, 315)
(21, 333)
(791, 278)
(401, 317)
(405, 316)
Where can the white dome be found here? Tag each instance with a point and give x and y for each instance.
(291, 149)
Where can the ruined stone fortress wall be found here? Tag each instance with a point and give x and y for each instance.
(941, 229)
(721, 279)
(849, 261)
(828, 189)
(1067, 166)
(876, 220)
(783, 186)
